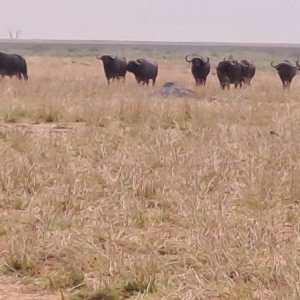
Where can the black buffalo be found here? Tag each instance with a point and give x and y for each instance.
(200, 68)
(114, 67)
(229, 71)
(13, 65)
(286, 71)
(143, 70)
(248, 71)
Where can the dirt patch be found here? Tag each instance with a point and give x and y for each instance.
(42, 128)
(13, 291)
(37, 127)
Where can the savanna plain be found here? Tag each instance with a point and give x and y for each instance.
(111, 192)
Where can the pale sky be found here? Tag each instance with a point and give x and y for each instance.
(269, 21)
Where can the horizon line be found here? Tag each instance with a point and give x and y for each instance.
(107, 41)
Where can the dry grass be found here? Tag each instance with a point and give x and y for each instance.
(146, 197)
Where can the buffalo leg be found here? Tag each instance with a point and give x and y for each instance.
(284, 84)
(287, 85)
(25, 76)
(137, 79)
(225, 85)
(121, 77)
(200, 82)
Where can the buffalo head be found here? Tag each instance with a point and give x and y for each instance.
(286, 62)
(106, 58)
(229, 71)
(133, 66)
(196, 60)
(227, 64)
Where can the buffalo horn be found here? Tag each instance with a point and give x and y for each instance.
(186, 59)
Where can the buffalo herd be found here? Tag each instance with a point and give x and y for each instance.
(229, 70)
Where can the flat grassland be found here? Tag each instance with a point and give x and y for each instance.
(113, 192)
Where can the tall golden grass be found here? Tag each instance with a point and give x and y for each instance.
(109, 191)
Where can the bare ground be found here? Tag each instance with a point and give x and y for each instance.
(42, 129)
(13, 291)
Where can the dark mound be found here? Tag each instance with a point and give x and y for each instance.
(171, 88)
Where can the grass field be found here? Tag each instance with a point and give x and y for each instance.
(111, 192)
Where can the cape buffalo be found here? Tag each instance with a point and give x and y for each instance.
(143, 70)
(286, 71)
(230, 71)
(114, 67)
(200, 68)
(13, 65)
(248, 71)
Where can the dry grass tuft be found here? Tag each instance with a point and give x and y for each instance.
(108, 193)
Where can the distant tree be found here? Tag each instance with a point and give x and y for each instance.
(14, 35)
(17, 34)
